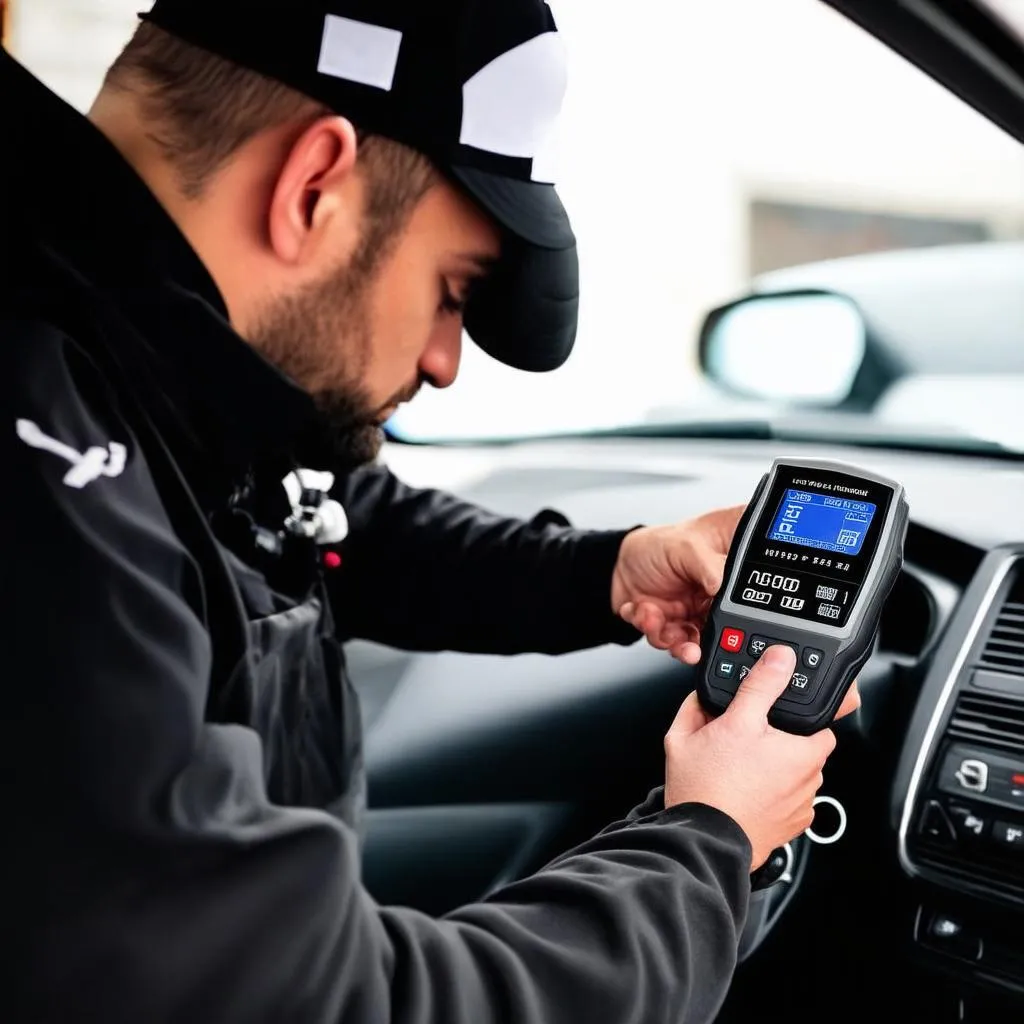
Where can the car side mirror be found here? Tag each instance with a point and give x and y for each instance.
(798, 348)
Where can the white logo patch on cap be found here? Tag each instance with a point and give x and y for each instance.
(359, 52)
(512, 106)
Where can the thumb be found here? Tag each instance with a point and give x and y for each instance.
(767, 682)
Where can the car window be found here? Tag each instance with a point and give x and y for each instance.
(712, 146)
(1010, 12)
(710, 149)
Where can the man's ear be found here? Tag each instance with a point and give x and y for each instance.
(316, 203)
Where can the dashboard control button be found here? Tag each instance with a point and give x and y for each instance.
(1008, 836)
(732, 640)
(935, 823)
(726, 669)
(744, 672)
(946, 934)
(995, 777)
(1017, 786)
(968, 824)
(812, 657)
(972, 775)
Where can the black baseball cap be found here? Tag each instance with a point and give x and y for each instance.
(474, 85)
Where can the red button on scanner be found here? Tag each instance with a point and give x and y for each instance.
(732, 640)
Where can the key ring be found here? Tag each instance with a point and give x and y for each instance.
(832, 802)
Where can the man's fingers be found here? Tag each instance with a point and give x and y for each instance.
(767, 682)
(824, 741)
(640, 615)
(712, 571)
(688, 654)
(654, 622)
(690, 717)
(851, 702)
(687, 648)
(651, 622)
(666, 628)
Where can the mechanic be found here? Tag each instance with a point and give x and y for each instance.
(267, 235)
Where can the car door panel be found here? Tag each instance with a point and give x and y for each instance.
(439, 858)
(474, 729)
(480, 768)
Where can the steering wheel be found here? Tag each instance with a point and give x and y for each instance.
(776, 882)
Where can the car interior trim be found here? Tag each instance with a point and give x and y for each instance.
(999, 575)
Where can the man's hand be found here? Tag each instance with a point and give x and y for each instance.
(763, 778)
(666, 577)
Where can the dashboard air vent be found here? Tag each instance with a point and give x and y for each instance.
(1004, 649)
(990, 720)
(995, 875)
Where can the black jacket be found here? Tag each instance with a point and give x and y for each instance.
(181, 747)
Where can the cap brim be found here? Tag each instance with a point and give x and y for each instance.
(525, 313)
(530, 210)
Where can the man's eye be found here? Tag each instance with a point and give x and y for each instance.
(452, 303)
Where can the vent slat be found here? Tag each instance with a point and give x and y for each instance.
(1003, 664)
(1011, 658)
(1001, 874)
(1006, 716)
(1011, 738)
(1004, 647)
(995, 720)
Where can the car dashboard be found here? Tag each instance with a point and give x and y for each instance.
(929, 881)
(958, 797)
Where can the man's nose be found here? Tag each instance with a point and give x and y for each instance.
(440, 362)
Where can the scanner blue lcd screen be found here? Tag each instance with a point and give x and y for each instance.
(822, 521)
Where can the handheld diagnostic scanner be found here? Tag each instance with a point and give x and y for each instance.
(813, 561)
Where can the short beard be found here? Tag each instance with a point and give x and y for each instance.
(321, 339)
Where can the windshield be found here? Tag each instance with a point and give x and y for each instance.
(713, 149)
(1011, 13)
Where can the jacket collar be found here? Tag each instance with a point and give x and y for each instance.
(81, 202)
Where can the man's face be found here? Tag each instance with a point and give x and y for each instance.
(365, 338)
